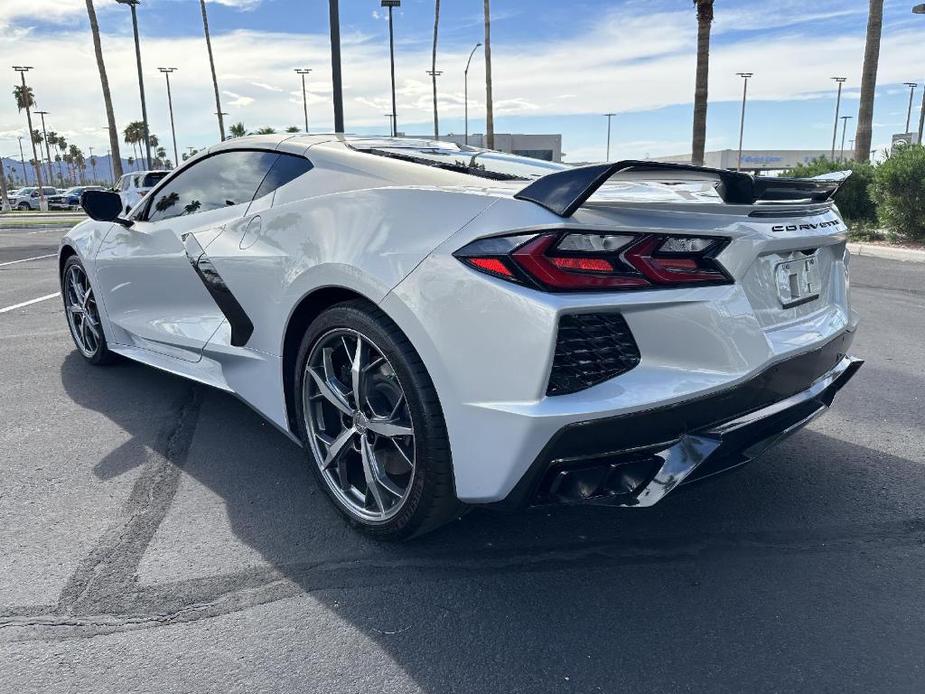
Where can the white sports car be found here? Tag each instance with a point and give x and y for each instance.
(440, 326)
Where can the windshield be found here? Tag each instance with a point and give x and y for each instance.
(152, 178)
(483, 163)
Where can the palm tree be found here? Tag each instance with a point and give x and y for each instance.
(62, 146)
(266, 131)
(25, 97)
(704, 20)
(291, 129)
(25, 100)
(107, 97)
(869, 82)
(489, 109)
(51, 140)
(433, 66)
(218, 101)
(237, 130)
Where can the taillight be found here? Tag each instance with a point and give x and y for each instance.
(573, 261)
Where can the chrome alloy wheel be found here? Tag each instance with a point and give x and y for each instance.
(361, 434)
(83, 318)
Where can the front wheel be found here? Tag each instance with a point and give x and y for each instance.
(83, 317)
(372, 425)
(24, 206)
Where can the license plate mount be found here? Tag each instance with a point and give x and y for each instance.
(798, 281)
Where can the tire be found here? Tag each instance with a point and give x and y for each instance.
(83, 318)
(24, 206)
(400, 382)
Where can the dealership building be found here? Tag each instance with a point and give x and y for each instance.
(545, 147)
(753, 159)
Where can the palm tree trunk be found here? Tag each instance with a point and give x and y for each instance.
(4, 198)
(489, 110)
(869, 82)
(218, 101)
(433, 67)
(699, 138)
(107, 97)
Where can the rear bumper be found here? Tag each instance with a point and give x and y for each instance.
(636, 459)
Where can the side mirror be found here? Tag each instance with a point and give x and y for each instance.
(103, 206)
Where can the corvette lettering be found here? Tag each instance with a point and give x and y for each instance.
(805, 227)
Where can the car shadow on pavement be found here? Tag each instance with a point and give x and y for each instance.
(730, 576)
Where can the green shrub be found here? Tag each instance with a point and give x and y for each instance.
(899, 191)
(853, 198)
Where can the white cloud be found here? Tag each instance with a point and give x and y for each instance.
(237, 100)
(268, 87)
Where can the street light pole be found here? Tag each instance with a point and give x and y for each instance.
(466, 90)
(141, 80)
(389, 116)
(218, 100)
(391, 4)
(920, 9)
(22, 70)
(844, 125)
(609, 116)
(22, 160)
(304, 71)
(840, 81)
(745, 77)
(434, 74)
(42, 115)
(173, 130)
(912, 86)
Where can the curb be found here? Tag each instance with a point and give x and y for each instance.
(875, 251)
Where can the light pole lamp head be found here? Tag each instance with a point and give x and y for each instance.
(746, 75)
(303, 70)
(390, 3)
(911, 85)
(840, 79)
(22, 68)
(129, 2)
(167, 70)
(41, 113)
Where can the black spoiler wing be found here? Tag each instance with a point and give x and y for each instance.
(563, 192)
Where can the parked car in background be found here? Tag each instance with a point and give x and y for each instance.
(70, 198)
(134, 186)
(28, 198)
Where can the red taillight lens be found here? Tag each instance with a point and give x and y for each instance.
(572, 261)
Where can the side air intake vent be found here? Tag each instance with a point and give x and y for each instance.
(591, 348)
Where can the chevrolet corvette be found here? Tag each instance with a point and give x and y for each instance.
(440, 326)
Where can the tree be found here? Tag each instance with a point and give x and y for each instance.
(853, 196)
(25, 97)
(433, 66)
(218, 101)
(265, 131)
(489, 109)
(897, 190)
(237, 130)
(290, 129)
(869, 81)
(107, 97)
(699, 138)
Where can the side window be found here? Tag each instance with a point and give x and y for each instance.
(224, 179)
(287, 168)
(124, 183)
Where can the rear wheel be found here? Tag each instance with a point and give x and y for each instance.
(83, 317)
(372, 425)
(24, 206)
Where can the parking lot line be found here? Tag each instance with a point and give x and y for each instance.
(26, 260)
(27, 303)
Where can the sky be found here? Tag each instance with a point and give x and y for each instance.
(557, 66)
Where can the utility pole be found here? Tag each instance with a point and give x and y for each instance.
(434, 72)
(844, 120)
(434, 75)
(304, 71)
(42, 115)
(390, 4)
(173, 131)
(489, 105)
(920, 9)
(389, 116)
(609, 116)
(338, 88)
(43, 203)
(912, 86)
(840, 81)
(466, 90)
(745, 77)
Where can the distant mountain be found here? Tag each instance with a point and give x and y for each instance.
(102, 174)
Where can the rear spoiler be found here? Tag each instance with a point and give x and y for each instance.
(565, 191)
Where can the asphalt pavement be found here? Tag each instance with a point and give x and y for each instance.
(159, 536)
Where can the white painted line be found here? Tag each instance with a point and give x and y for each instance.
(26, 260)
(27, 303)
